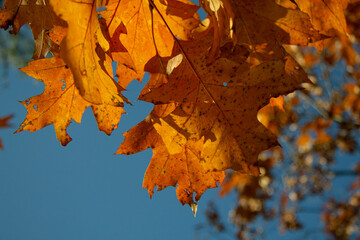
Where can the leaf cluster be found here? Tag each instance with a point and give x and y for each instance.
(319, 131)
(208, 78)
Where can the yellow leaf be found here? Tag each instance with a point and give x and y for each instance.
(60, 102)
(82, 53)
(145, 33)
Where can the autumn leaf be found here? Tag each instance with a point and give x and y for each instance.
(267, 114)
(221, 100)
(276, 24)
(328, 17)
(4, 122)
(214, 108)
(169, 167)
(251, 25)
(249, 185)
(61, 102)
(325, 15)
(208, 80)
(145, 32)
(40, 17)
(7, 17)
(222, 16)
(352, 100)
(83, 50)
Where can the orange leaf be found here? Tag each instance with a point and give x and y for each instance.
(328, 17)
(212, 122)
(60, 102)
(220, 102)
(325, 15)
(234, 180)
(250, 24)
(145, 33)
(85, 55)
(40, 17)
(171, 164)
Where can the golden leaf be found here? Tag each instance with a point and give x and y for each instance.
(81, 50)
(60, 102)
(169, 167)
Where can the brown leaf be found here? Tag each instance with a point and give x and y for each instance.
(4, 122)
(327, 16)
(250, 24)
(276, 24)
(40, 17)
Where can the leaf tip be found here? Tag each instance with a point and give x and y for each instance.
(193, 207)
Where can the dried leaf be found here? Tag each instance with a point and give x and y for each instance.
(173, 63)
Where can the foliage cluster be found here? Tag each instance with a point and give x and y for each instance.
(319, 133)
(209, 79)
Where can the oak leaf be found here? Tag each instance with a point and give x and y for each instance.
(250, 186)
(326, 16)
(83, 50)
(208, 80)
(168, 166)
(213, 113)
(61, 102)
(222, 100)
(277, 24)
(222, 16)
(145, 33)
(38, 14)
(251, 25)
